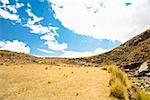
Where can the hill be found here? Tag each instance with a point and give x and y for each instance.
(129, 55)
(16, 58)
(8, 57)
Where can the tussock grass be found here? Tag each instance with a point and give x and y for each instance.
(118, 90)
(49, 82)
(140, 95)
(121, 76)
(119, 83)
(76, 94)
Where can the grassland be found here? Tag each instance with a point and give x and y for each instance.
(53, 82)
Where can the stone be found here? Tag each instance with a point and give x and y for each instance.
(143, 67)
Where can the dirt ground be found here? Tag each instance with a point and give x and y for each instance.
(53, 82)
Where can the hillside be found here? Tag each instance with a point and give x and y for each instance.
(129, 55)
(8, 57)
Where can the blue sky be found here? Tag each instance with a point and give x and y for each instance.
(51, 28)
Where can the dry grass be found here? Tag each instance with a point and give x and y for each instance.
(118, 90)
(140, 95)
(34, 82)
(119, 83)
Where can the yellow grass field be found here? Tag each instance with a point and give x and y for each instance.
(53, 82)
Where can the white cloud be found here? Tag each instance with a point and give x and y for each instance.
(103, 19)
(45, 51)
(35, 18)
(48, 37)
(5, 2)
(7, 15)
(15, 45)
(8, 11)
(19, 5)
(38, 29)
(49, 32)
(51, 41)
(29, 5)
(75, 54)
(12, 8)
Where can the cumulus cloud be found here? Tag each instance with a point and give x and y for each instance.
(8, 11)
(103, 19)
(76, 54)
(6, 15)
(52, 43)
(36, 28)
(15, 45)
(48, 32)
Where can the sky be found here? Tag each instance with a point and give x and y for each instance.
(70, 28)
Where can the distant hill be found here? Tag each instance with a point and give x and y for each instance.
(129, 55)
(8, 57)
(15, 58)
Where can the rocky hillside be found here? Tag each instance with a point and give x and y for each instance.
(129, 55)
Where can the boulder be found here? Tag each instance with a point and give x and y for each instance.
(143, 67)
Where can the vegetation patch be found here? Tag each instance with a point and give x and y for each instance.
(120, 86)
(49, 82)
(119, 83)
(140, 95)
(76, 94)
